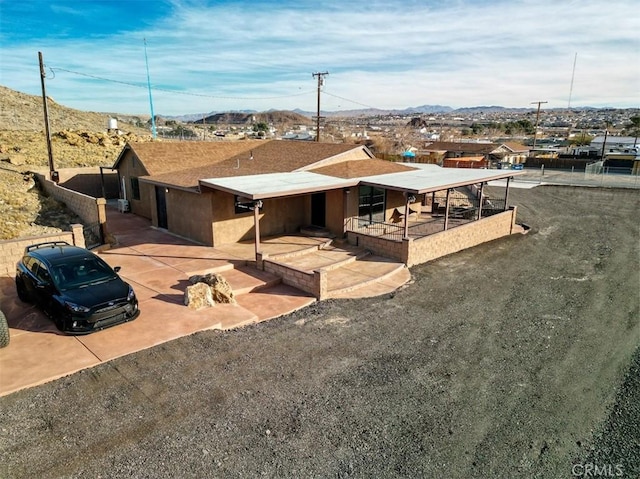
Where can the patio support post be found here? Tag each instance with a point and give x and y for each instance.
(446, 210)
(406, 215)
(480, 201)
(506, 194)
(433, 201)
(256, 221)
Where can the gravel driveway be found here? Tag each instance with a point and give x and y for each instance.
(505, 360)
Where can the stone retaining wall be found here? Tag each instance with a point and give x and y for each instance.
(314, 283)
(379, 246)
(91, 210)
(12, 250)
(461, 237)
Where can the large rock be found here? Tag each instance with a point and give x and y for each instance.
(220, 289)
(198, 296)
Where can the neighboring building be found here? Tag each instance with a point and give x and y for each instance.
(493, 153)
(466, 162)
(614, 142)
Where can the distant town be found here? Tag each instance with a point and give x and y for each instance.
(584, 135)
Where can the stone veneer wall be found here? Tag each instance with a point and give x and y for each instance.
(91, 210)
(12, 250)
(379, 246)
(314, 283)
(417, 251)
(461, 237)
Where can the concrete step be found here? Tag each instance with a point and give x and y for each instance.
(327, 258)
(204, 266)
(246, 279)
(371, 272)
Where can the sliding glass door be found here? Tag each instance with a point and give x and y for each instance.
(371, 204)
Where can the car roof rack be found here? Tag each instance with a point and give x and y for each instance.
(49, 244)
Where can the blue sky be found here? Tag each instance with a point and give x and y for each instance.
(232, 55)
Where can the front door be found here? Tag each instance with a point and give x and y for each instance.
(161, 206)
(318, 209)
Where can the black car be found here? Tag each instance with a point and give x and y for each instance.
(74, 287)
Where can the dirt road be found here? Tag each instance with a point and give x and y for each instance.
(499, 361)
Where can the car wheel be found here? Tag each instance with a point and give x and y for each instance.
(4, 331)
(22, 291)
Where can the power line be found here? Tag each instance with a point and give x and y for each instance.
(351, 101)
(178, 92)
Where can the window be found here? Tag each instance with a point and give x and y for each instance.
(371, 203)
(245, 205)
(135, 188)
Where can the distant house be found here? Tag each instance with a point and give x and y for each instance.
(466, 162)
(510, 152)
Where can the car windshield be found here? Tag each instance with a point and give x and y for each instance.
(81, 272)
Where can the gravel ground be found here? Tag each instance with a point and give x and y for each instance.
(505, 360)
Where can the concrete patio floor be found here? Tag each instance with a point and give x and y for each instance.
(158, 266)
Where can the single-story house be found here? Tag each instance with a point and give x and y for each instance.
(508, 152)
(226, 192)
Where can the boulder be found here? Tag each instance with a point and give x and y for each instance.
(198, 296)
(220, 289)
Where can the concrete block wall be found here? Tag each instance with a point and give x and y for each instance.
(308, 282)
(86, 207)
(12, 250)
(459, 238)
(379, 246)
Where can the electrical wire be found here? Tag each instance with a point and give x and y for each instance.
(204, 95)
(178, 92)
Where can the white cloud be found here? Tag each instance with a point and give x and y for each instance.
(387, 55)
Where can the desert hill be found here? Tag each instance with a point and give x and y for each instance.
(23, 112)
(282, 119)
(78, 139)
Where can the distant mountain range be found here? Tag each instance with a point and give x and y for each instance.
(417, 110)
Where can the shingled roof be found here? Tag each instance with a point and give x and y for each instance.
(460, 147)
(359, 168)
(266, 157)
(161, 157)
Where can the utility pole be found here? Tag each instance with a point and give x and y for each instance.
(320, 76)
(535, 133)
(52, 170)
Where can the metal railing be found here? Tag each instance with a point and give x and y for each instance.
(388, 231)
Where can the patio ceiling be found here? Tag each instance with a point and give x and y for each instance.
(273, 185)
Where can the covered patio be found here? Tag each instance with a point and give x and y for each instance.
(422, 201)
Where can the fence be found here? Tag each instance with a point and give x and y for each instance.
(390, 231)
(596, 175)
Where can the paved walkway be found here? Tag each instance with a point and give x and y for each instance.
(158, 266)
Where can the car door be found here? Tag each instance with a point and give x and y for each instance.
(43, 285)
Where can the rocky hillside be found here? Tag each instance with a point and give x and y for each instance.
(281, 119)
(22, 112)
(78, 139)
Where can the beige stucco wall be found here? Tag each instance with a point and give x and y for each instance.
(335, 212)
(395, 199)
(189, 215)
(278, 216)
(130, 166)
